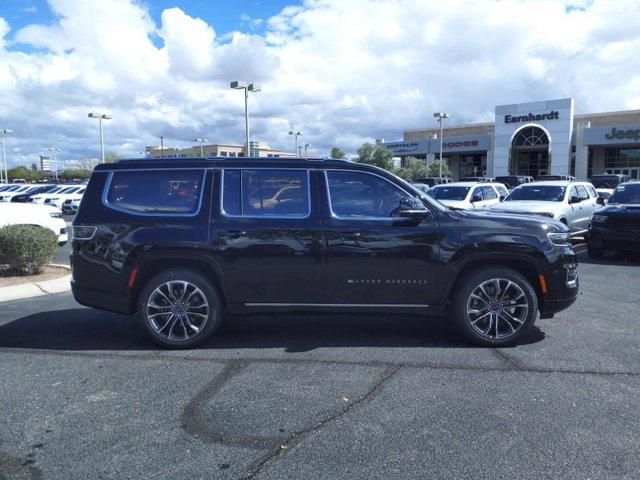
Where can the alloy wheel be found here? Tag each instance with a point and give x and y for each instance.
(177, 310)
(497, 308)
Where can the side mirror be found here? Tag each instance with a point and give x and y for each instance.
(600, 200)
(476, 198)
(501, 198)
(412, 208)
(575, 199)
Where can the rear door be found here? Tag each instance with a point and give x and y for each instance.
(265, 230)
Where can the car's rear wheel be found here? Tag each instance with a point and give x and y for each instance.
(495, 307)
(180, 308)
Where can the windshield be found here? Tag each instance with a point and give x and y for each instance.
(626, 195)
(539, 193)
(69, 190)
(449, 193)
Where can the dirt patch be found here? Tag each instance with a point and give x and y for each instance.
(47, 273)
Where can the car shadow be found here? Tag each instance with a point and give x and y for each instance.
(83, 329)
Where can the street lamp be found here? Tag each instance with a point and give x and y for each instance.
(306, 146)
(441, 116)
(296, 135)
(4, 131)
(201, 140)
(100, 117)
(251, 87)
(55, 160)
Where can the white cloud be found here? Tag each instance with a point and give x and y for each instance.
(342, 71)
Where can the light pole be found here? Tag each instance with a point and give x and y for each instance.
(201, 140)
(251, 87)
(4, 131)
(296, 135)
(306, 146)
(55, 160)
(161, 145)
(441, 116)
(100, 117)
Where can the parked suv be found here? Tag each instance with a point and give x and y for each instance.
(608, 180)
(571, 203)
(180, 242)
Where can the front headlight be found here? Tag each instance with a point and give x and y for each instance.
(599, 218)
(561, 239)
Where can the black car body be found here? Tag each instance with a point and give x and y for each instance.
(616, 227)
(432, 181)
(293, 235)
(608, 180)
(513, 181)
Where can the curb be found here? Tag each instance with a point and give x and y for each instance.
(37, 289)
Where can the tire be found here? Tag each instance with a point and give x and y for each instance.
(513, 322)
(594, 252)
(193, 322)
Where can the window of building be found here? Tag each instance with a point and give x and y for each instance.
(621, 158)
(589, 163)
(266, 193)
(472, 166)
(359, 195)
(174, 192)
(223, 154)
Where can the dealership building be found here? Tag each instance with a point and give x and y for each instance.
(536, 138)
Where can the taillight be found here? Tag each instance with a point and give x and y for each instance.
(82, 232)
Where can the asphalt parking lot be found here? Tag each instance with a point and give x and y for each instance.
(85, 395)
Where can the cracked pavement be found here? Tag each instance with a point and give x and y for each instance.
(85, 395)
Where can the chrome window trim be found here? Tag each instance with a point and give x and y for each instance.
(277, 217)
(107, 186)
(338, 217)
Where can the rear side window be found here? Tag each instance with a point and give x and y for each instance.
(172, 192)
(266, 193)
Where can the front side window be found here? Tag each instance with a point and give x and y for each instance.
(582, 192)
(172, 192)
(363, 195)
(266, 193)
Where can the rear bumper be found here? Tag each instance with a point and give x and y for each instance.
(104, 301)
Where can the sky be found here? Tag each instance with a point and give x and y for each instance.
(343, 72)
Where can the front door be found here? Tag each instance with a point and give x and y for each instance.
(374, 258)
(265, 230)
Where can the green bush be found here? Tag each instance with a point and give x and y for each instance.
(24, 249)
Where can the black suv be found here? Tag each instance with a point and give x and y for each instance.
(608, 180)
(616, 227)
(180, 242)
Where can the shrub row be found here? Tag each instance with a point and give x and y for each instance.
(25, 249)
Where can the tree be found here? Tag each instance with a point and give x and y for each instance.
(25, 173)
(75, 174)
(34, 167)
(374, 155)
(111, 157)
(412, 169)
(337, 153)
(434, 168)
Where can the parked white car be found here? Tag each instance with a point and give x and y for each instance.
(6, 195)
(30, 214)
(469, 195)
(569, 202)
(57, 198)
(71, 204)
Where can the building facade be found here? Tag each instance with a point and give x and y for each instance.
(536, 138)
(258, 149)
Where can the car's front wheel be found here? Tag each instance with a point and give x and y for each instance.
(494, 306)
(180, 308)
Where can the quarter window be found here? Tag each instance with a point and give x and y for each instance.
(173, 192)
(362, 195)
(266, 193)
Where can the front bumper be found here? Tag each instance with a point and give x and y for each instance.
(619, 238)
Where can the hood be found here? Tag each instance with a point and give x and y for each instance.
(494, 220)
(622, 210)
(527, 207)
(457, 204)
